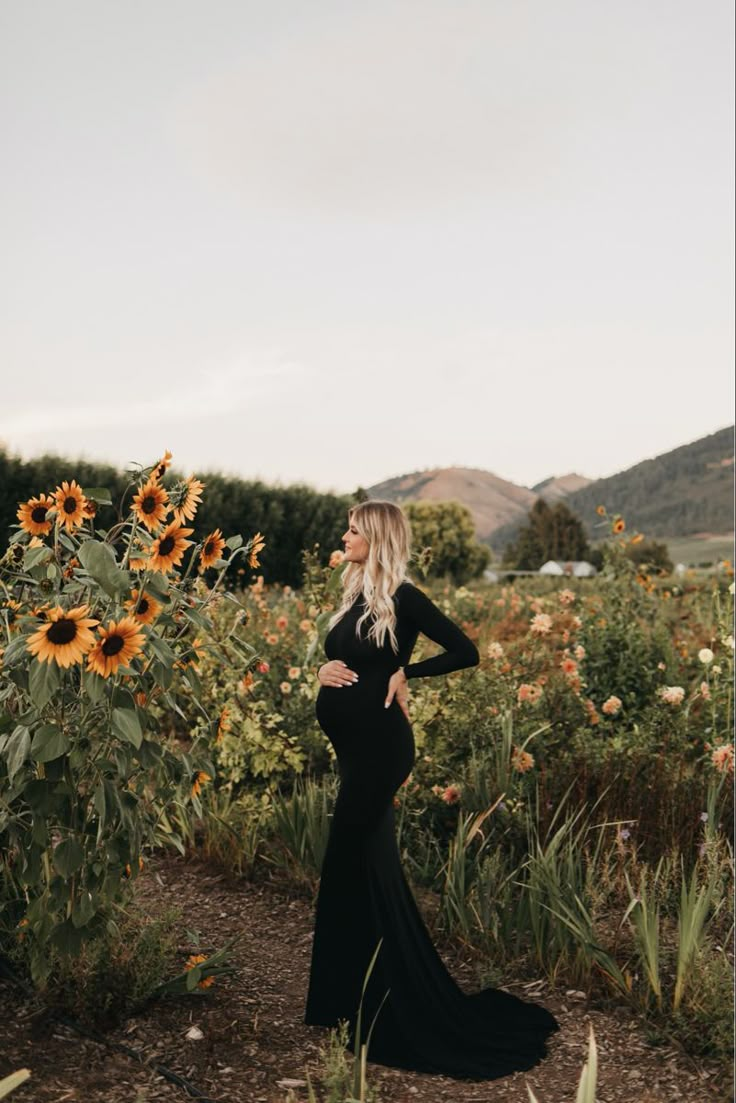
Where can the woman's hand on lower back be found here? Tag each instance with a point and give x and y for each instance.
(398, 686)
(336, 673)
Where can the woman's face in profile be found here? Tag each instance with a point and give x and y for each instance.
(356, 546)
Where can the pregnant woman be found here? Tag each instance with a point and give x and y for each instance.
(425, 1022)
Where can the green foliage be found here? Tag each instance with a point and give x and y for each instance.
(447, 528)
(651, 555)
(551, 532)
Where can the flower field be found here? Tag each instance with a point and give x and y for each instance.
(570, 805)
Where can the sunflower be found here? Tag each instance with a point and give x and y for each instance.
(65, 638)
(12, 611)
(190, 499)
(619, 525)
(638, 538)
(71, 505)
(143, 607)
(166, 552)
(601, 511)
(197, 959)
(257, 545)
(115, 646)
(199, 778)
(32, 515)
(211, 550)
(150, 505)
(161, 466)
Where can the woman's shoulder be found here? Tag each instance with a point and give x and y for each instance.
(406, 590)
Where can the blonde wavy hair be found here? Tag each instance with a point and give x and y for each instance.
(387, 531)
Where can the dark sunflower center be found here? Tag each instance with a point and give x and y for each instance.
(38, 514)
(62, 631)
(209, 548)
(144, 605)
(70, 505)
(148, 504)
(113, 645)
(166, 546)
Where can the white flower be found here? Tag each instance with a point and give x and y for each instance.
(728, 640)
(495, 651)
(730, 589)
(705, 655)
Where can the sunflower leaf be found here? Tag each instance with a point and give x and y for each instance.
(234, 542)
(15, 651)
(68, 857)
(126, 725)
(43, 681)
(49, 742)
(100, 495)
(16, 750)
(34, 556)
(98, 561)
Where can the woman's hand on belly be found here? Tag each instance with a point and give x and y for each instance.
(398, 686)
(336, 673)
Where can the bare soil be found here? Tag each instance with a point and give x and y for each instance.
(254, 1044)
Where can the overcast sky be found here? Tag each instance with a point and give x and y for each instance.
(334, 242)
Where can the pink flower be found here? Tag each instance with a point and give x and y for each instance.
(612, 706)
(451, 795)
(528, 692)
(541, 624)
(722, 758)
(285, 687)
(672, 695)
(263, 668)
(705, 691)
(579, 652)
(566, 597)
(336, 558)
(569, 666)
(281, 623)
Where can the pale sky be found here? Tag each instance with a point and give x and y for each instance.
(334, 242)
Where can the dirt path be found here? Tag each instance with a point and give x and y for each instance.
(254, 1037)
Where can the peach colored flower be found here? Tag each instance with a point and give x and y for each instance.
(521, 760)
(494, 650)
(528, 692)
(705, 691)
(566, 597)
(285, 687)
(305, 625)
(541, 624)
(451, 795)
(295, 672)
(722, 758)
(612, 706)
(579, 652)
(569, 666)
(281, 623)
(672, 695)
(336, 558)
(263, 668)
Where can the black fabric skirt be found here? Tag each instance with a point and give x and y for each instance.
(425, 1022)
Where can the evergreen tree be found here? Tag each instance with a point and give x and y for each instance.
(550, 533)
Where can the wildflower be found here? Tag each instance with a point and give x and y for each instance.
(197, 959)
(295, 672)
(661, 666)
(212, 550)
(150, 505)
(528, 692)
(246, 682)
(716, 669)
(566, 597)
(593, 716)
(728, 641)
(32, 515)
(705, 691)
(579, 652)
(494, 650)
(722, 758)
(117, 644)
(624, 833)
(263, 668)
(199, 778)
(618, 526)
(703, 817)
(706, 656)
(541, 624)
(672, 695)
(282, 622)
(336, 558)
(70, 505)
(168, 549)
(223, 724)
(569, 666)
(305, 625)
(191, 499)
(257, 545)
(451, 794)
(271, 638)
(285, 687)
(612, 706)
(601, 511)
(521, 760)
(65, 639)
(143, 607)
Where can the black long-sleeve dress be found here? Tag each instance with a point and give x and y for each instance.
(427, 1023)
